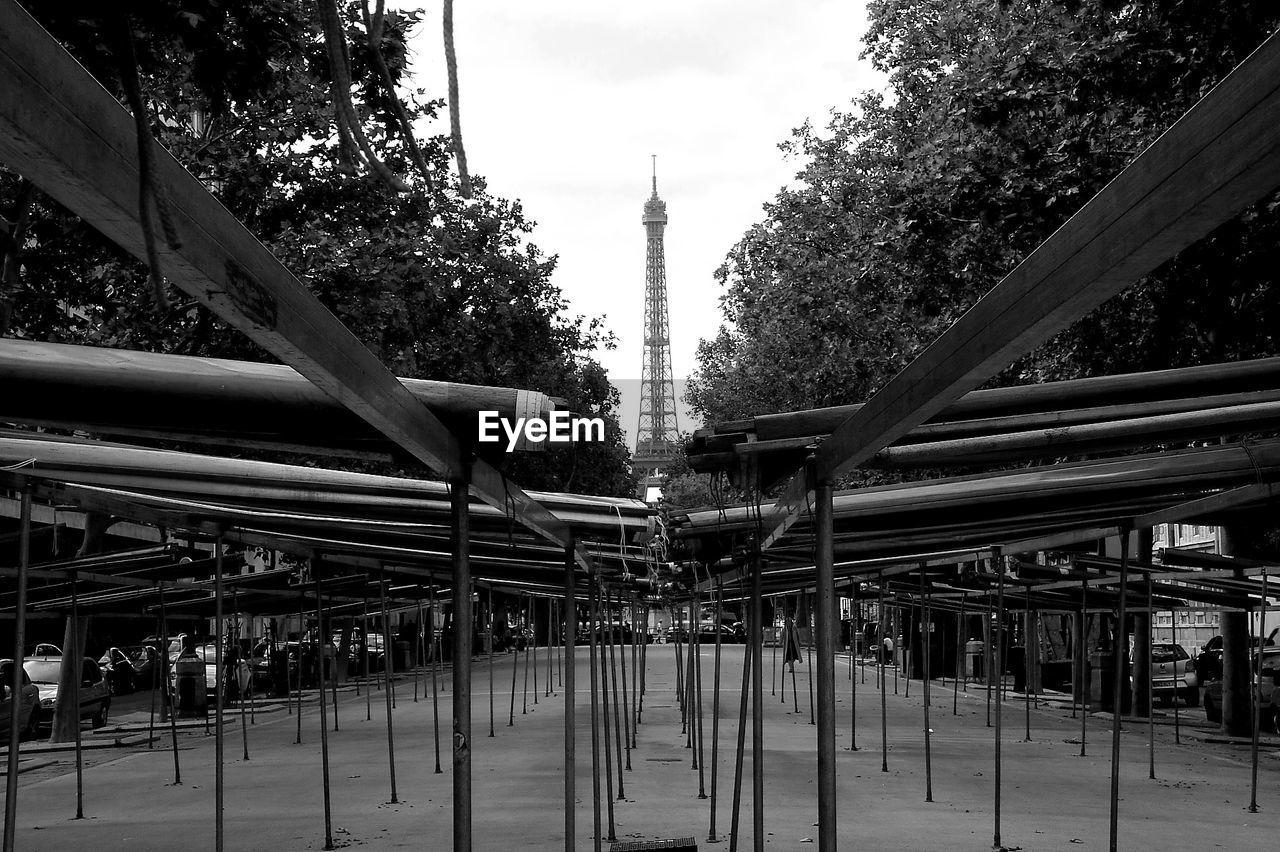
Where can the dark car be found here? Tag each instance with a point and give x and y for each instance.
(95, 695)
(1265, 678)
(120, 671)
(28, 717)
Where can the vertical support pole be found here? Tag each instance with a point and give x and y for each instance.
(77, 643)
(302, 623)
(1257, 705)
(601, 615)
(1026, 666)
(757, 704)
(617, 708)
(593, 625)
(1084, 641)
(854, 633)
(435, 679)
(1118, 686)
(694, 629)
(742, 741)
(884, 692)
(419, 649)
(926, 616)
(387, 671)
(364, 633)
(491, 656)
(324, 723)
(515, 668)
(962, 661)
(551, 626)
(715, 715)
(1151, 706)
(997, 561)
(639, 634)
(533, 640)
(463, 636)
(570, 708)
(533, 637)
(825, 622)
(1177, 721)
(774, 691)
(628, 721)
(15, 687)
(697, 701)
(244, 726)
(163, 663)
(219, 694)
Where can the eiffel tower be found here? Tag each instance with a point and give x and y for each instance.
(656, 436)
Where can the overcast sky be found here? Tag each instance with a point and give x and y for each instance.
(564, 101)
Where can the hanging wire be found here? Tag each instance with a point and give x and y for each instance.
(374, 25)
(455, 122)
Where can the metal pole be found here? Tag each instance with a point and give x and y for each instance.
(1084, 641)
(219, 697)
(570, 719)
(388, 668)
(19, 644)
(715, 715)
(435, 675)
(825, 622)
(1173, 634)
(533, 639)
(604, 709)
(617, 708)
(697, 692)
(76, 645)
(742, 741)
(1257, 705)
(925, 624)
(419, 651)
(689, 686)
(168, 693)
(592, 628)
(533, 636)
(774, 691)
(997, 560)
(551, 624)
(1026, 666)
(244, 726)
(324, 723)
(854, 632)
(628, 721)
(636, 639)
(757, 707)
(515, 668)
(463, 637)
(884, 692)
(961, 658)
(364, 645)
(1118, 685)
(302, 622)
(1151, 707)
(491, 660)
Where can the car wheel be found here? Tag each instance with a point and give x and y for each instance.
(100, 718)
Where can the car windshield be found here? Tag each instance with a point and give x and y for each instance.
(1165, 653)
(43, 671)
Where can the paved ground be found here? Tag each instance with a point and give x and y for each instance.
(1053, 798)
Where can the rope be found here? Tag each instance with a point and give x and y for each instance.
(451, 63)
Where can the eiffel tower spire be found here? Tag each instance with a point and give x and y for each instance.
(656, 435)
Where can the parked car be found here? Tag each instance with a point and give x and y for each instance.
(1209, 661)
(1173, 674)
(1266, 675)
(95, 694)
(28, 719)
(119, 669)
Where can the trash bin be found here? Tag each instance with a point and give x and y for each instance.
(974, 650)
(189, 680)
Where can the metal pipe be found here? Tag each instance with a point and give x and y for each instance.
(617, 708)
(491, 661)
(824, 622)
(854, 632)
(15, 686)
(76, 645)
(419, 650)
(700, 752)
(533, 640)
(628, 722)
(643, 636)
(1151, 707)
(715, 716)
(962, 669)
(742, 741)
(515, 668)
(463, 637)
(244, 726)
(757, 706)
(364, 652)
(302, 624)
(163, 663)
(1118, 685)
(604, 712)
(592, 625)
(388, 669)
(884, 691)
(435, 674)
(219, 697)
(1026, 667)
(570, 710)
(998, 563)
(551, 624)
(324, 723)
(774, 691)
(1257, 704)
(925, 624)
(1173, 634)
(1084, 641)
(689, 687)
(533, 636)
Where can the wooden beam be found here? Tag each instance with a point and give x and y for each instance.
(1219, 158)
(1221, 502)
(64, 132)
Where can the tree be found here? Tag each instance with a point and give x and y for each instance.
(437, 285)
(1000, 120)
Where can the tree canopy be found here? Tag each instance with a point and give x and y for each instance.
(241, 91)
(999, 121)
